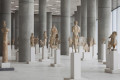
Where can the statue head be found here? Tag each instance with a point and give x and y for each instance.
(76, 22)
(114, 33)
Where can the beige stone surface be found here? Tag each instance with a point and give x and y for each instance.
(76, 31)
(5, 43)
(32, 40)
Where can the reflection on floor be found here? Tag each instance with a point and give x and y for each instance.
(91, 70)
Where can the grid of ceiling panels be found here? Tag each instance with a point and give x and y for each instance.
(52, 6)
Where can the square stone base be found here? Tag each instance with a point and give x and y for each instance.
(56, 65)
(108, 70)
(5, 65)
(75, 79)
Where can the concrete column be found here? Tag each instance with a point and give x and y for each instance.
(79, 15)
(118, 29)
(65, 26)
(49, 25)
(104, 23)
(26, 22)
(84, 18)
(12, 26)
(76, 15)
(5, 15)
(42, 18)
(91, 20)
(16, 29)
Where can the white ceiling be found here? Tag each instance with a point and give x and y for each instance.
(52, 6)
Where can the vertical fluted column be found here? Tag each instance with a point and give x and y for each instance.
(26, 22)
(16, 29)
(104, 23)
(84, 18)
(5, 15)
(65, 26)
(42, 18)
(91, 20)
(49, 25)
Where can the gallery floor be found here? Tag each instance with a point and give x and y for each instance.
(91, 70)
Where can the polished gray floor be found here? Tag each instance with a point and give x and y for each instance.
(91, 70)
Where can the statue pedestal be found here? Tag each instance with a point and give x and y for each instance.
(44, 54)
(9, 52)
(17, 55)
(13, 53)
(92, 50)
(6, 67)
(87, 56)
(81, 51)
(113, 66)
(70, 51)
(52, 53)
(75, 67)
(36, 48)
(103, 48)
(32, 56)
(107, 58)
(95, 50)
(57, 62)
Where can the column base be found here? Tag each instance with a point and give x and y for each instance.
(29, 62)
(75, 79)
(56, 65)
(108, 70)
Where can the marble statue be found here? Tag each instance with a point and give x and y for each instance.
(44, 42)
(36, 40)
(70, 42)
(86, 47)
(5, 43)
(76, 31)
(54, 39)
(92, 42)
(32, 40)
(113, 40)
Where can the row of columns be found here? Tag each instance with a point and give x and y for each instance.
(87, 21)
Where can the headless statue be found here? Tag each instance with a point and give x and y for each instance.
(5, 43)
(76, 31)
